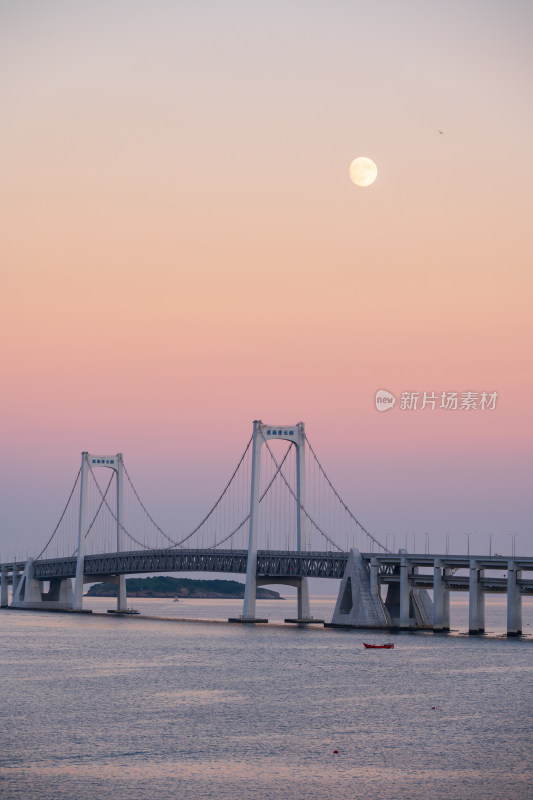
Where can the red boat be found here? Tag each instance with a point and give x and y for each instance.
(387, 646)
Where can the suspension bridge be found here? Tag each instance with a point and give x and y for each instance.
(279, 496)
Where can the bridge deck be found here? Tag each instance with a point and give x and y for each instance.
(278, 564)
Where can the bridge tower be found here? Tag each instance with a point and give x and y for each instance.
(114, 462)
(261, 435)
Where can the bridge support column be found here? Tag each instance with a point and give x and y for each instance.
(404, 593)
(3, 588)
(250, 590)
(476, 605)
(15, 578)
(514, 600)
(441, 599)
(438, 595)
(122, 601)
(304, 608)
(29, 592)
(407, 605)
(77, 604)
(445, 606)
(358, 606)
(374, 582)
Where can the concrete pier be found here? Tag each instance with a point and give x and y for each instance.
(358, 603)
(445, 605)
(14, 580)
(404, 593)
(28, 592)
(303, 605)
(441, 599)
(514, 601)
(3, 587)
(476, 601)
(374, 577)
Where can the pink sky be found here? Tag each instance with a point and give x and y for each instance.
(183, 252)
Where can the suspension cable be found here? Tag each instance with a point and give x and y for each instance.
(247, 517)
(177, 544)
(341, 501)
(152, 520)
(121, 526)
(208, 515)
(289, 487)
(62, 515)
(97, 511)
(173, 542)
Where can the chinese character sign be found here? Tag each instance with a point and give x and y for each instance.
(467, 401)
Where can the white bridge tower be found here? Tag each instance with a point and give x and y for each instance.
(261, 435)
(114, 462)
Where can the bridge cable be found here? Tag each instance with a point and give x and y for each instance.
(178, 544)
(339, 498)
(289, 487)
(62, 515)
(185, 538)
(97, 511)
(121, 526)
(247, 517)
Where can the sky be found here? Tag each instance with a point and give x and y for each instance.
(183, 252)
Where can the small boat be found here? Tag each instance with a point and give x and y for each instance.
(123, 612)
(387, 646)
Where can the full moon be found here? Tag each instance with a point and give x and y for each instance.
(363, 171)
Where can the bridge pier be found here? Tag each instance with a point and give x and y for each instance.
(441, 598)
(304, 608)
(15, 577)
(446, 607)
(514, 601)
(122, 599)
(408, 606)
(359, 603)
(476, 601)
(374, 581)
(28, 592)
(3, 588)
(404, 594)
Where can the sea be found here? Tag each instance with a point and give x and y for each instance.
(178, 704)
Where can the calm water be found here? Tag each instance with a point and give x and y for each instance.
(141, 709)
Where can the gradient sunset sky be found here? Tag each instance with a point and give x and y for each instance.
(183, 252)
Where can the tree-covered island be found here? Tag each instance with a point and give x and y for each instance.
(165, 586)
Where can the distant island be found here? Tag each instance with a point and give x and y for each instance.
(165, 586)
